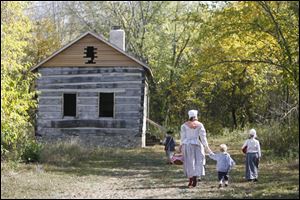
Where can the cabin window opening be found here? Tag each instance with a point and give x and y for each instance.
(69, 105)
(90, 52)
(106, 105)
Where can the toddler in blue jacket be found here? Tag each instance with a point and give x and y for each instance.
(224, 164)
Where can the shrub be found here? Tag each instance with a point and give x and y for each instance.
(282, 140)
(276, 139)
(32, 151)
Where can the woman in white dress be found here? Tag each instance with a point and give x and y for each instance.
(192, 148)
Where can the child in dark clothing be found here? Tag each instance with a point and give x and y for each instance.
(169, 144)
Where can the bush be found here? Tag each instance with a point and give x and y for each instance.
(276, 140)
(282, 140)
(32, 151)
(237, 135)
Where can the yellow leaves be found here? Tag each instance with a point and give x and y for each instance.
(16, 99)
(14, 34)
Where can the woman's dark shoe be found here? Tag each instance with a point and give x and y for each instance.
(255, 180)
(190, 182)
(194, 181)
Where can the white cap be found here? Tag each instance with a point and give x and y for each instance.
(253, 132)
(193, 113)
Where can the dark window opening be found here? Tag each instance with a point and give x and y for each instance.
(70, 105)
(106, 105)
(90, 52)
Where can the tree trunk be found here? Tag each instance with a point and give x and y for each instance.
(233, 113)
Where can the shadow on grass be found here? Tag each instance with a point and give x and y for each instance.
(141, 163)
(148, 167)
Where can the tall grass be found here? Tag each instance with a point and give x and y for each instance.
(280, 139)
(73, 153)
(275, 139)
(64, 153)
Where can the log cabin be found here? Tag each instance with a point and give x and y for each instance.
(93, 91)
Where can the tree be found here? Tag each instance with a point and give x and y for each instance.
(237, 62)
(16, 97)
(241, 59)
(44, 41)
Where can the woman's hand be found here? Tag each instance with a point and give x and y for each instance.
(180, 149)
(208, 150)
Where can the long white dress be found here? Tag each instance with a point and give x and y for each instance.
(193, 148)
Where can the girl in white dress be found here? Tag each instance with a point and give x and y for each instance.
(253, 155)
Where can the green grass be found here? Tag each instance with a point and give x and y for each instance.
(71, 172)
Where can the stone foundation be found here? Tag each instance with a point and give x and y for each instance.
(96, 140)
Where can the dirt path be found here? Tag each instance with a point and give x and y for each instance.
(32, 184)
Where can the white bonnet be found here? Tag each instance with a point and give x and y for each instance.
(193, 113)
(253, 132)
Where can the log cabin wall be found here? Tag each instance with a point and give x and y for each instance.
(123, 129)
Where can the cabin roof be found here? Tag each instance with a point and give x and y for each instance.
(102, 39)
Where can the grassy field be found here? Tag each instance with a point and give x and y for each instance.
(142, 173)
